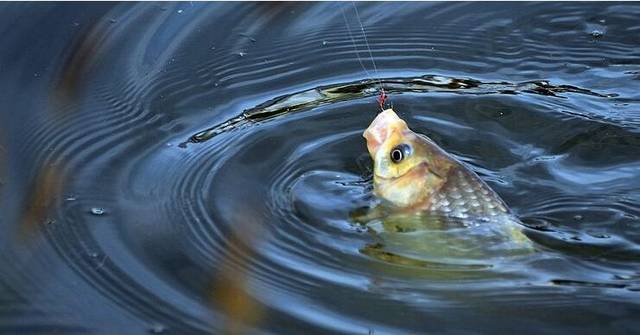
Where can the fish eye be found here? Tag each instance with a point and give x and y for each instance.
(399, 153)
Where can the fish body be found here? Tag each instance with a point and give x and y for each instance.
(412, 172)
(440, 209)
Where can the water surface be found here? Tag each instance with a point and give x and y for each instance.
(193, 168)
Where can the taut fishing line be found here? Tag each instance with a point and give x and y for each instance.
(383, 96)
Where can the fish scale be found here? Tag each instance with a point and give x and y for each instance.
(427, 178)
(464, 195)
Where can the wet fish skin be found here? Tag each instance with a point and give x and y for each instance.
(427, 178)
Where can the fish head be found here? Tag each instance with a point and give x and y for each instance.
(408, 168)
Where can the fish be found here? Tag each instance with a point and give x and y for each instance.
(434, 205)
(412, 172)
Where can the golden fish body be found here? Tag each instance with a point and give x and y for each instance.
(440, 208)
(413, 172)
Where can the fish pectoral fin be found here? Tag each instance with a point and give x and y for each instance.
(364, 215)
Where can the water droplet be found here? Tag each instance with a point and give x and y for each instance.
(597, 33)
(599, 235)
(360, 229)
(157, 328)
(97, 211)
(180, 11)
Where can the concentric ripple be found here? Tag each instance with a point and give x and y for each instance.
(200, 168)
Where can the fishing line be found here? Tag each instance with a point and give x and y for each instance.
(383, 96)
(353, 41)
(366, 41)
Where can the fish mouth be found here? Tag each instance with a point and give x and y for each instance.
(385, 178)
(424, 166)
(381, 128)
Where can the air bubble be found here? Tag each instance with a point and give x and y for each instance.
(97, 211)
(597, 33)
(157, 328)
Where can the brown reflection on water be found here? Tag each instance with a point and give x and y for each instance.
(85, 51)
(41, 197)
(230, 284)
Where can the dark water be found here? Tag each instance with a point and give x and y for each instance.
(191, 168)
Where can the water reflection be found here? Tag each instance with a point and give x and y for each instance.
(231, 283)
(248, 226)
